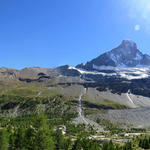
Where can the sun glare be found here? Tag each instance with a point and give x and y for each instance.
(139, 11)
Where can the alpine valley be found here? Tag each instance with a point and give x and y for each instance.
(106, 99)
(113, 87)
(110, 93)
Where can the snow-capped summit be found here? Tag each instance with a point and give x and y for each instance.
(125, 55)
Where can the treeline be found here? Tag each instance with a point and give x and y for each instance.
(38, 134)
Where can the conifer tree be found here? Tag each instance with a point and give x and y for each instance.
(4, 139)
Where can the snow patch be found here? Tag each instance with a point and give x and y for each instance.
(113, 57)
(128, 73)
(138, 57)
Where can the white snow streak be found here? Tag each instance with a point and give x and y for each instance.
(129, 98)
(128, 73)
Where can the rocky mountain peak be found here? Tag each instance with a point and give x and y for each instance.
(126, 48)
(128, 44)
(125, 55)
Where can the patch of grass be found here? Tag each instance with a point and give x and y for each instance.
(50, 92)
(23, 92)
(114, 105)
(104, 104)
(18, 88)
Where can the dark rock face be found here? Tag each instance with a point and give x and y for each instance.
(10, 105)
(125, 55)
(102, 60)
(65, 71)
(145, 60)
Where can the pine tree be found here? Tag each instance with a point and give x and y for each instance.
(38, 135)
(30, 141)
(4, 139)
(127, 146)
(19, 138)
(77, 145)
(43, 140)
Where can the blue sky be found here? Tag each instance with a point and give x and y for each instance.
(50, 33)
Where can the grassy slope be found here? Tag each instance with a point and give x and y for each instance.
(104, 103)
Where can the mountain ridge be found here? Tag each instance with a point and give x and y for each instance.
(125, 55)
